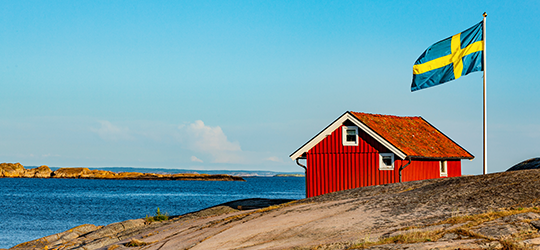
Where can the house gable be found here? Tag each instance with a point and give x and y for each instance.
(332, 144)
(346, 118)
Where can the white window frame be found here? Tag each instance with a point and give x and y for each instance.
(443, 165)
(383, 166)
(344, 135)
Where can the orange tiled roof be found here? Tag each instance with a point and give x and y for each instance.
(414, 136)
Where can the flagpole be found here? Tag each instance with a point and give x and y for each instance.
(485, 97)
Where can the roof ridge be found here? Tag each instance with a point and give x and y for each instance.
(383, 115)
(413, 135)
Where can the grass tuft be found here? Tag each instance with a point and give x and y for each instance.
(509, 244)
(136, 243)
(414, 237)
(411, 237)
(468, 233)
(158, 217)
(477, 219)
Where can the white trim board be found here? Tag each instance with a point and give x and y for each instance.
(336, 124)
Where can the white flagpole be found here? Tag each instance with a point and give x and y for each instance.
(485, 98)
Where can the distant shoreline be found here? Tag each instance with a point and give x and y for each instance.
(16, 170)
(289, 175)
(241, 173)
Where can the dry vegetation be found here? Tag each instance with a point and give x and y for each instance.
(137, 243)
(466, 222)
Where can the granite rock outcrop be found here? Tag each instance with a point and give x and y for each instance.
(16, 170)
(71, 173)
(39, 172)
(533, 163)
(11, 170)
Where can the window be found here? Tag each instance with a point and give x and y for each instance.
(386, 161)
(443, 168)
(350, 136)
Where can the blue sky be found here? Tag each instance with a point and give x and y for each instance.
(243, 84)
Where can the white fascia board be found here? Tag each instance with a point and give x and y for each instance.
(319, 137)
(336, 124)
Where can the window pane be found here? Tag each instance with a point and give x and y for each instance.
(351, 135)
(387, 160)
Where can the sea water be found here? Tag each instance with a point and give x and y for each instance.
(34, 208)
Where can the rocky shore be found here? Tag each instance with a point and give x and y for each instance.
(16, 170)
(495, 211)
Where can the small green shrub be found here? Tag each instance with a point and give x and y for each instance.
(158, 217)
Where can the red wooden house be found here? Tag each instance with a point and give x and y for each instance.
(360, 149)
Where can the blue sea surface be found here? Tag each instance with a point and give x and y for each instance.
(34, 208)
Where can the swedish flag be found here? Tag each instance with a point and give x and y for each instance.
(449, 59)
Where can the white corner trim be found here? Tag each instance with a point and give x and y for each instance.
(336, 124)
